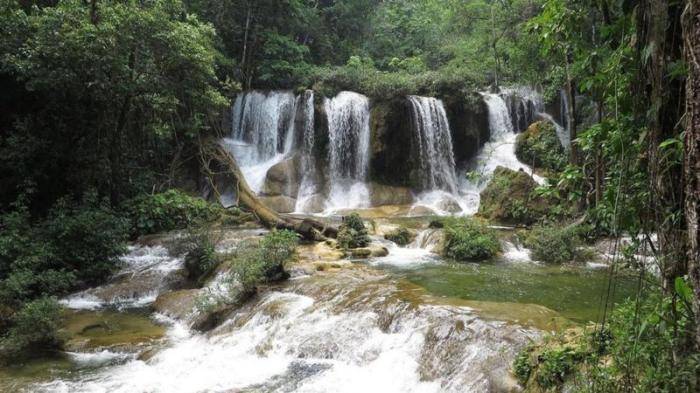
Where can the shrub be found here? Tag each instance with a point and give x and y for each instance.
(255, 264)
(521, 366)
(553, 244)
(88, 239)
(35, 328)
(168, 211)
(352, 232)
(400, 236)
(467, 239)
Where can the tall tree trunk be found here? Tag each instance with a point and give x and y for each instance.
(691, 35)
(245, 37)
(571, 108)
(660, 37)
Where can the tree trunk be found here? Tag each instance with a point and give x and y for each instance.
(659, 32)
(571, 109)
(220, 167)
(691, 38)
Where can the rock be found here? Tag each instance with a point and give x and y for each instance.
(283, 178)
(469, 123)
(539, 146)
(279, 203)
(378, 251)
(449, 205)
(381, 194)
(391, 143)
(176, 304)
(362, 252)
(401, 236)
(509, 198)
(314, 204)
(420, 211)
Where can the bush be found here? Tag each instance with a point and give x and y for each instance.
(255, 264)
(553, 244)
(35, 328)
(540, 147)
(168, 211)
(467, 240)
(88, 239)
(521, 366)
(400, 236)
(352, 232)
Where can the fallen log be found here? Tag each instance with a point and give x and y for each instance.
(220, 167)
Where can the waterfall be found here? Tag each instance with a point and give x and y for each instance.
(434, 144)
(498, 151)
(305, 121)
(348, 129)
(262, 132)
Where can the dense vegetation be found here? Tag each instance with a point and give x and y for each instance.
(106, 103)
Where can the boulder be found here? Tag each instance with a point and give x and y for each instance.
(362, 252)
(381, 194)
(449, 205)
(279, 203)
(283, 178)
(420, 211)
(539, 146)
(510, 198)
(176, 304)
(469, 123)
(378, 251)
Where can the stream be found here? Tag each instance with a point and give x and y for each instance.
(406, 322)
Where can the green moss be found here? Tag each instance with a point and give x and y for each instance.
(510, 197)
(400, 236)
(352, 232)
(539, 146)
(469, 240)
(554, 244)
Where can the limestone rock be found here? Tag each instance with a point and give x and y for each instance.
(381, 194)
(279, 203)
(510, 198)
(283, 178)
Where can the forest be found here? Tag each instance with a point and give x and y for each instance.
(349, 195)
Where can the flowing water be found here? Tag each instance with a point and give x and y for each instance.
(348, 133)
(309, 181)
(435, 154)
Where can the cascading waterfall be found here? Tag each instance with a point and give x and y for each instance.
(498, 151)
(262, 132)
(308, 186)
(349, 136)
(434, 144)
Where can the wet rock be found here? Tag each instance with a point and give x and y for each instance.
(279, 203)
(362, 252)
(420, 211)
(378, 251)
(381, 194)
(283, 178)
(176, 304)
(92, 330)
(314, 204)
(450, 205)
(509, 198)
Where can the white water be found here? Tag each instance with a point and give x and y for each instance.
(151, 264)
(289, 341)
(262, 132)
(308, 186)
(435, 153)
(349, 137)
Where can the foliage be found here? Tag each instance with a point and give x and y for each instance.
(553, 244)
(167, 211)
(469, 240)
(76, 244)
(539, 146)
(199, 245)
(34, 328)
(103, 100)
(253, 265)
(352, 232)
(637, 350)
(401, 236)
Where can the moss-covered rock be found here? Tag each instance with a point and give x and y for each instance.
(539, 146)
(468, 239)
(401, 236)
(510, 198)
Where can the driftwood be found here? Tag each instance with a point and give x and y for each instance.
(220, 168)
